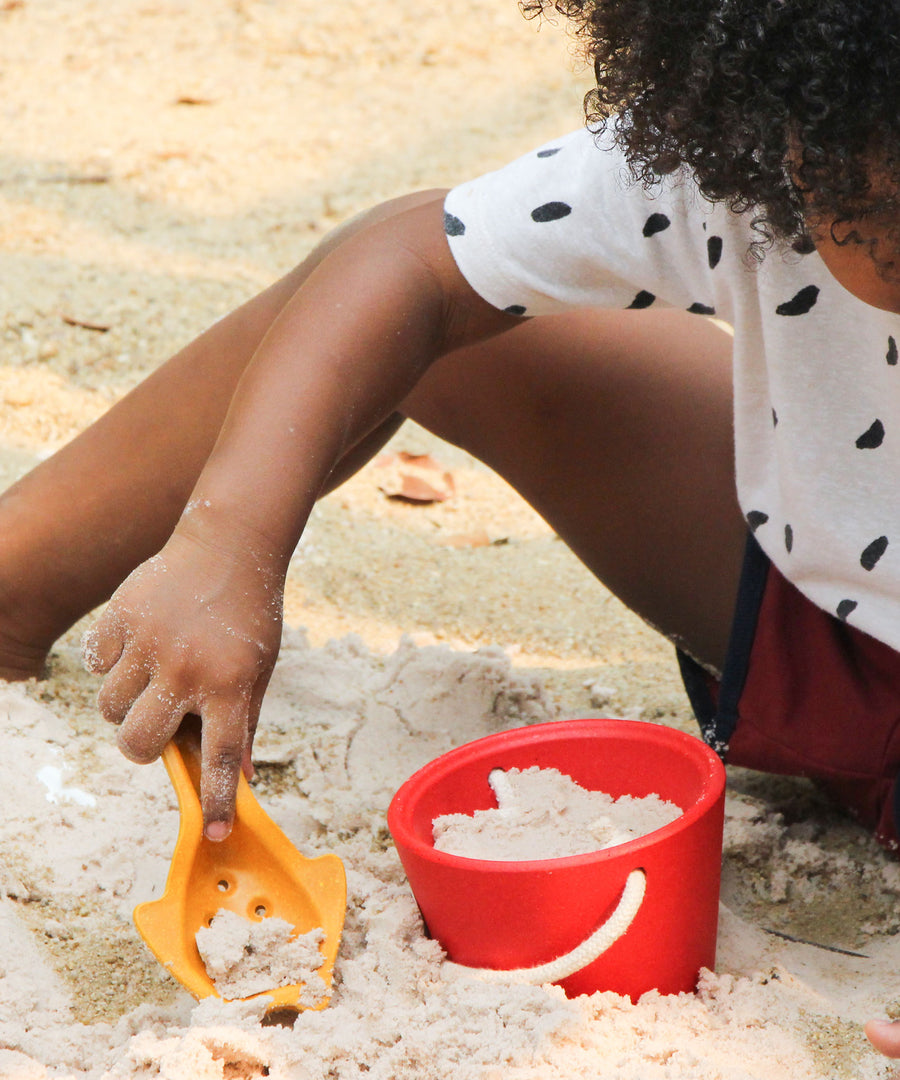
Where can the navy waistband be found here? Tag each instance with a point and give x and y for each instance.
(717, 714)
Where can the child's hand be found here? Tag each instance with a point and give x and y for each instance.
(193, 630)
(197, 628)
(884, 1035)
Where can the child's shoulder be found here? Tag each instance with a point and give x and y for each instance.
(568, 224)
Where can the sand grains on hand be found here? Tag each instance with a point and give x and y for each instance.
(544, 814)
(244, 957)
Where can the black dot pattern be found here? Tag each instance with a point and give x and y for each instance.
(800, 303)
(701, 309)
(551, 211)
(845, 608)
(713, 251)
(873, 552)
(656, 223)
(515, 309)
(453, 226)
(891, 354)
(755, 518)
(872, 437)
(642, 300)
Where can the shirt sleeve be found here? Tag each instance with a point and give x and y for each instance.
(565, 227)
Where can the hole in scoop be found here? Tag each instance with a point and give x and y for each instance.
(260, 911)
(223, 886)
(283, 1016)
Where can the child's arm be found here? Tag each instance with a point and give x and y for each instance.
(196, 629)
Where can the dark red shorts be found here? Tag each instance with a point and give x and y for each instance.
(804, 694)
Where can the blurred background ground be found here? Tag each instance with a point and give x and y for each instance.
(161, 162)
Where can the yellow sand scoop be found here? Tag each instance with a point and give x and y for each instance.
(256, 872)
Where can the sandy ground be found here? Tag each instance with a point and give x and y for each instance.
(159, 163)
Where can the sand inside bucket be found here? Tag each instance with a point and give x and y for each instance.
(244, 957)
(544, 814)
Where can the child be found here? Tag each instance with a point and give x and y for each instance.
(547, 319)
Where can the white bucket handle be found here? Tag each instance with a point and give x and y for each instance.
(582, 955)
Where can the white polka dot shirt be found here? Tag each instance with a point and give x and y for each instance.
(817, 379)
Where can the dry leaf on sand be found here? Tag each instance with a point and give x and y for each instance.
(476, 538)
(415, 478)
(85, 324)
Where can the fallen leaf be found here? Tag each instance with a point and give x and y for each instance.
(414, 489)
(85, 324)
(423, 461)
(89, 178)
(71, 178)
(479, 538)
(17, 398)
(415, 478)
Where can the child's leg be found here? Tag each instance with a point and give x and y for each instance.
(617, 428)
(619, 438)
(75, 527)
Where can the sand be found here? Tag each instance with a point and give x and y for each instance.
(161, 162)
(544, 814)
(244, 957)
(342, 727)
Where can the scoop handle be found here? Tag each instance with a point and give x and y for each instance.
(182, 758)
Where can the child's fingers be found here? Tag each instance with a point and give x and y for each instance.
(256, 701)
(223, 753)
(101, 647)
(124, 684)
(150, 723)
(884, 1035)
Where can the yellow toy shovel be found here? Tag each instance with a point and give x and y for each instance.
(256, 872)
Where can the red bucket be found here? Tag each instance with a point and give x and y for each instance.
(514, 915)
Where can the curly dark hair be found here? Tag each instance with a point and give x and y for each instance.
(776, 106)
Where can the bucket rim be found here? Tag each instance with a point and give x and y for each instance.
(412, 788)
